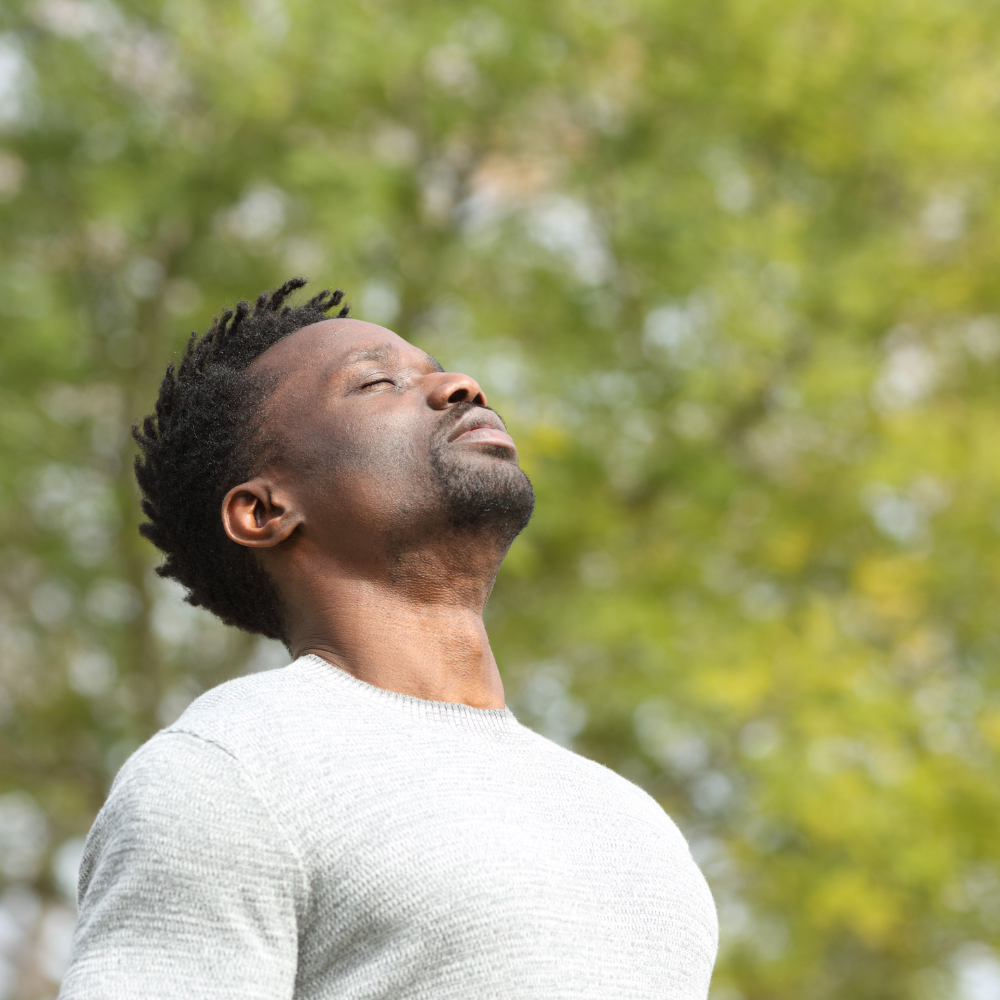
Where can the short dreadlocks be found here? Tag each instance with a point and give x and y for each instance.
(208, 435)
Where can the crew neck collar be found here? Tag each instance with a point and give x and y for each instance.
(494, 721)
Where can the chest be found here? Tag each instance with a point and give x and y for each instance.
(489, 859)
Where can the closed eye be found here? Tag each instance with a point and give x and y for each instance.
(378, 381)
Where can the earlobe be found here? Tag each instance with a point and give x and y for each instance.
(256, 515)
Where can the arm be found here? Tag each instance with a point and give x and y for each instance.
(188, 887)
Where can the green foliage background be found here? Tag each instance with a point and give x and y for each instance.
(728, 268)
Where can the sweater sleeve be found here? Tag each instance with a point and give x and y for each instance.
(188, 887)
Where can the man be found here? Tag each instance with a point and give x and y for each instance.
(369, 822)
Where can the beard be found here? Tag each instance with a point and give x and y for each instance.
(486, 493)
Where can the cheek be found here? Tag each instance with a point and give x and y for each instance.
(372, 466)
(389, 445)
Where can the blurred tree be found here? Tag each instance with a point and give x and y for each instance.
(727, 269)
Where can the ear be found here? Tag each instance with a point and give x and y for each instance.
(258, 514)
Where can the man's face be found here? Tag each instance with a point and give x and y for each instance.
(377, 442)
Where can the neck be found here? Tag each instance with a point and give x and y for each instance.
(414, 625)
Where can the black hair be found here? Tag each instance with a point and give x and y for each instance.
(206, 436)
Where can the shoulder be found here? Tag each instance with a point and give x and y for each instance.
(206, 756)
(286, 728)
(250, 715)
(177, 795)
(246, 697)
(184, 851)
(167, 755)
(177, 777)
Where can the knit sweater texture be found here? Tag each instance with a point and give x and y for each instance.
(302, 834)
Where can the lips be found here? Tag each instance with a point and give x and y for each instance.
(482, 427)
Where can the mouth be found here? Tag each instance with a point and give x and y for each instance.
(482, 427)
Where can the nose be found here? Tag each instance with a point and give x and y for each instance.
(448, 388)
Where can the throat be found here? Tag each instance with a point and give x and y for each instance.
(437, 650)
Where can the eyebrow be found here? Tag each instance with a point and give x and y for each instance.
(383, 353)
(371, 354)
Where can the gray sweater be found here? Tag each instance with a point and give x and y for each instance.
(302, 834)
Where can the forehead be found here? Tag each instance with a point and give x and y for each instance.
(322, 348)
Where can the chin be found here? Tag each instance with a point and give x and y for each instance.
(490, 494)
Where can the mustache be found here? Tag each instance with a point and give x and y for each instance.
(457, 413)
